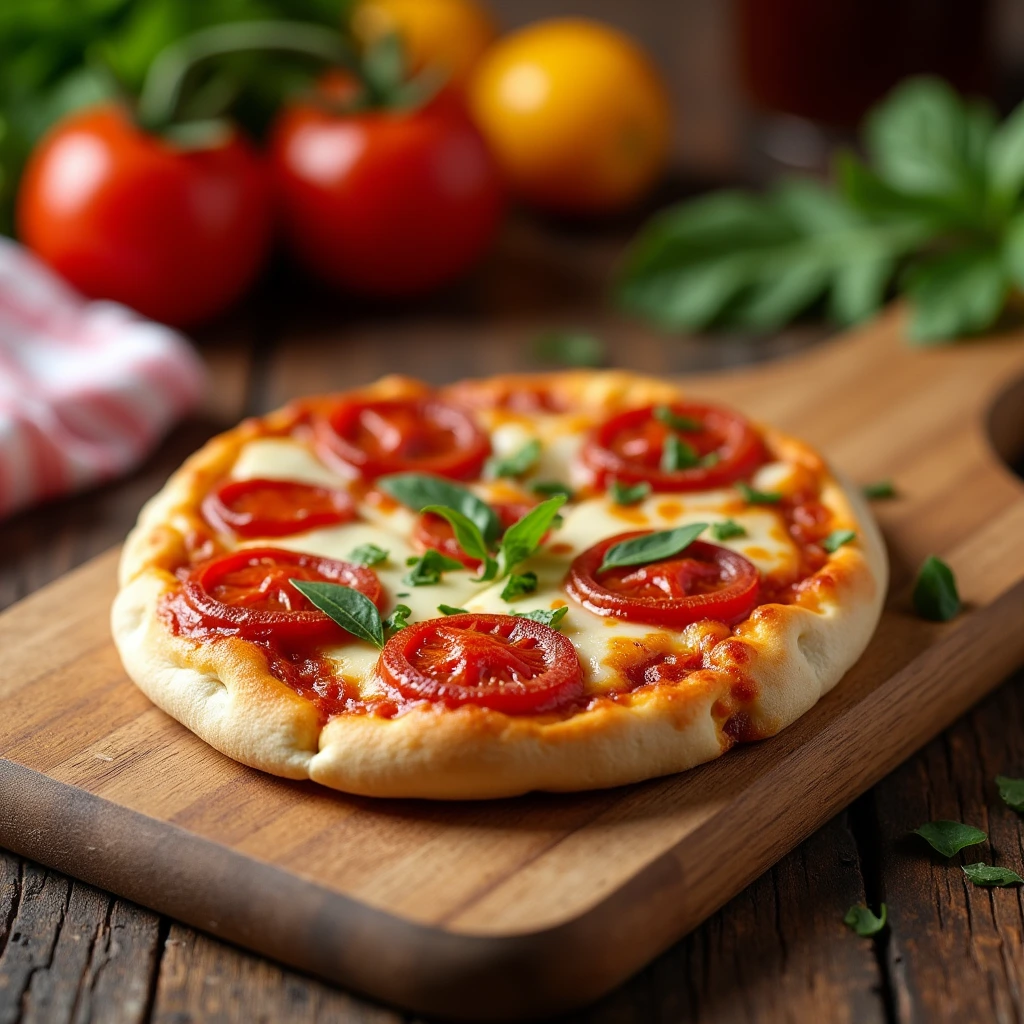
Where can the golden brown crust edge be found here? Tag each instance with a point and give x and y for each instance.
(224, 694)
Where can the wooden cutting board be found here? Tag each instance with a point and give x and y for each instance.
(524, 907)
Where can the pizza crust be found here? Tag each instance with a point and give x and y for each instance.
(774, 668)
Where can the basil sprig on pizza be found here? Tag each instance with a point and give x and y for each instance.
(557, 582)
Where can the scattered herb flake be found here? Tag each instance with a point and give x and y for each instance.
(990, 875)
(755, 497)
(629, 494)
(450, 609)
(727, 530)
(935, 595)
(863, 922)
(1012, 792)
(549, 488)
(950, 837)
(368, 554)
(672, 420)
(518, 585)
(677, 454)
(427, 569)
(837, 538)
(651, 547)
(399, 618)
(879, 490)
(516, 463)
(548, 616)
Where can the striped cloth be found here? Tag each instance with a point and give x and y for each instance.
(87, 389)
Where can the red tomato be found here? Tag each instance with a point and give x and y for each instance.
(178, 234)
(387, 203)
(404, 435)
(503, 662)
(704, 582)
(247, 593)
(629, 448)
(434, 531)
(274, 508)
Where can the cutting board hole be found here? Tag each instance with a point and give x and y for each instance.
(1006, 426)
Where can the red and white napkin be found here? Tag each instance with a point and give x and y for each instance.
(87, 389)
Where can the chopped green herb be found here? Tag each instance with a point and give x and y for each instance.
(1012, 792)
(402, 593)
(651, 547)
(548, 616)
(678, 454)
(399, 618)
(989, 875)
(711, 459)
(950, 837)
(350, 609)
(727, 530)
(518, 585)
(935, 595)
(418, 490)
(368, 554)
(837, 538)
(570, 348)
(863, 922)
(879, 490)
(755, 497)
(672, 420)
(450, 609)
(517, 463)
(551, 488)
(629, 494)
(427, 569)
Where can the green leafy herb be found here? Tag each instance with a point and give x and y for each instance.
(935, 595)
(711, 459)
(450, 609)
(427, 569)
(727, 530)
(652, 547)
(518, 585)
(368, 554)
(517, 463)
(551, 487)
(837, 538)
(523, 537)
(755, 497)
(863, 922)
(571, 348)
(1011, 792)
(548, 616)
(879, 490)
(674, 421)
(678, 454)
(989, 875)
(470, 539)
(418, 490)
(936, 214)
(950, 837)
(350, 609)
(398, 619)
(629, 494)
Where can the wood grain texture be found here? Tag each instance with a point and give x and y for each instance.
(521, 872)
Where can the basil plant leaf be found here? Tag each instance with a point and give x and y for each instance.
(864, 922)
(652, 547)
(950, 837)
(398, 619)
(629, 494)
(1011, 791)
(368, 554)
(450, 609)
(990, 875)
(678, 454)
(518, 585)
(727, 530)
(427, 569)
(755, 497)
(546, 616)
(935, 595)
(516, 463)
(837, 538)
(470, 539)
(350, 609)
(523, 537)
(418, 490)
(880, 490)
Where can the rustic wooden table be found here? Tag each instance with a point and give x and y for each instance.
(779, 951)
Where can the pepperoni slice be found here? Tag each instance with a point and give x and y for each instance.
(247, 593)
(502, 662)
(414, 435)
(629, 448)
(704, 581)
(274, 508)
(434, 531)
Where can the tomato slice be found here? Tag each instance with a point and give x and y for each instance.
(247, 593)
(274, 508)
(629, 448)
(434, 531)
(411, 435)
(502, 662)
(704, 581)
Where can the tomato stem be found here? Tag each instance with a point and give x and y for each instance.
(162, 91)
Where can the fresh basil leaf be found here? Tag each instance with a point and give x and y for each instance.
(629, 494)
(989, 875)
(571, 348)
(711, 459)
(367, 554)
(755, 497)
(398, 619)
(418, 490)
(518, 585)
(552, 487)
(523, 537)
(652, 547)
(727, 530)
(517, 463)
(837, 538)
(950, 837)
(672, 420)
(879, 490)
(1006, 160)
(350, 609)
(548, 617)
(469, 537)
(427, 569)
(863, 922)
(677, 454)
(1012, 792)
(935, 595)
(450, 609)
